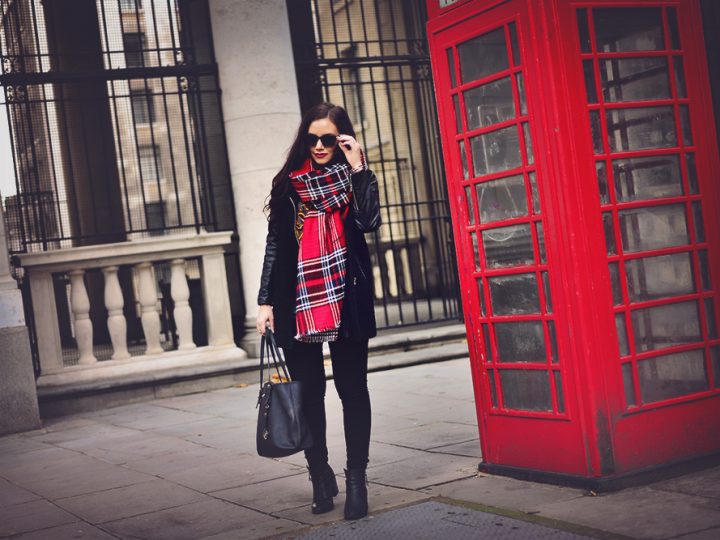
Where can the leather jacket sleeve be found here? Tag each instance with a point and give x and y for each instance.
(366, 201)
(271, 247)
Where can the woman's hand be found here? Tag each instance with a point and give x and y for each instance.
(264, 315)
(352, 150)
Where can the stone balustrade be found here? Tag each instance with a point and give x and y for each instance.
(142, 255)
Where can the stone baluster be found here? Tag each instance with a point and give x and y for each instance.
(80, 306)
(182, 313)
(217, 301)
(148, 301)
(117, 325)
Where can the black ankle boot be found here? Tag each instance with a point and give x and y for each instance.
(356, 496)
(324, 489)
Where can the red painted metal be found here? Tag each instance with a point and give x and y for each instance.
(595, 432)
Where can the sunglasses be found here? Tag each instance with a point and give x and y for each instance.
(328, 140)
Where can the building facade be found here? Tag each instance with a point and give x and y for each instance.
(124, 147)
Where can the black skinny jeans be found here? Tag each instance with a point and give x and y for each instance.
(349, 363)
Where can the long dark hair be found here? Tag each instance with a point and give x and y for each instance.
(299, 151)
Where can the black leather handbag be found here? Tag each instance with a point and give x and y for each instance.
(281, 427)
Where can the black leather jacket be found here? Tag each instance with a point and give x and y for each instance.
(278, 278)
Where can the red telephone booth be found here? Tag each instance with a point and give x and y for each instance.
(582, 168)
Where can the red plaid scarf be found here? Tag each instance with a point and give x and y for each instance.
(325, 193)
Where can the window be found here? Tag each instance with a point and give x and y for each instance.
(150, 164)
(143, 108)
(130, 5)
(155, 216)
(352, 90)
(134, 46)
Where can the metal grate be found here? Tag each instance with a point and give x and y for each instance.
(372, 58)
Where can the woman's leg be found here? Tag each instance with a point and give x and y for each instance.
(350, 362)
(305, 362)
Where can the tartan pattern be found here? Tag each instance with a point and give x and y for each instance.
(322, 254)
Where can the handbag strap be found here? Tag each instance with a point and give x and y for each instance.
(268, 346)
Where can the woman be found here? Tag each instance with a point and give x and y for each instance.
(315, 287)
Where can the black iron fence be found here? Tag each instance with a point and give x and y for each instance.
(371, 57)
(114, 115)
(117, 134)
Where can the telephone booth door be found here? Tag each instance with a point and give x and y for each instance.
(585, 210)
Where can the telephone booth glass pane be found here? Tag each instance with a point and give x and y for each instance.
(651, 247)
(496, 150)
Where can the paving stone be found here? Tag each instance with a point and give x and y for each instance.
(198, 428)
(469, 448)
(79, 529)
(94, 431)
(178, 461)
(273, 496)
(239, 471)
(39, 462)
(19, 444)
(11, 494)
(31, 516)
(383, 453)
(503, 492)
(122, 502)
(190, 521)
(432, 520)
(427, 436)
(119, 450)
(423, 471)
(638, 512)
(152, 417)
(707, 534)
(62, 423)
(55, 480)
(459, 412)
(188, 401)
(703, 483)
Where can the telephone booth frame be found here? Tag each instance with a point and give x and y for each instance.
(581, 168)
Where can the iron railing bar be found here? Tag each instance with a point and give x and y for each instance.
(87, 165)
(197, 152)
(424, 273)
(364, 61)
(364, 27)
(151, 108)
(188, 154)
(400, 183)
(11, 79)
(14, 146)
(171, 147)
(113, 103)
(393, 26)
(381, 259)
(83, 100)
(141, 179)
(69, 160)
(157, 34)
(102, 235)
(205, 162)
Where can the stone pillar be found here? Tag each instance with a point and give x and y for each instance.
(18, 393)
(261, 113)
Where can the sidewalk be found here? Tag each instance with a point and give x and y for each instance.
(185, 467)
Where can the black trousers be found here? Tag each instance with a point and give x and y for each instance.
(349, 363)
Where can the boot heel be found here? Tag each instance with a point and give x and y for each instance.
(356, 495)
(332, 485)
(324, 489)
